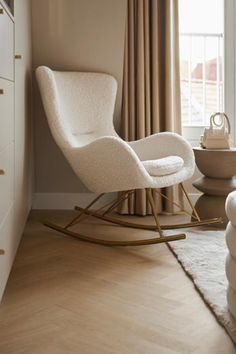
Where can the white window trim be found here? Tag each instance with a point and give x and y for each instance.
(229, 55)
(193, 133)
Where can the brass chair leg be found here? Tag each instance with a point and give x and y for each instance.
(175, 204)
(76, 219)
(112, 205)
(86, 212)
(149, 241)
(119, 200)
(125, 223)
(154, 211)
(190, 202)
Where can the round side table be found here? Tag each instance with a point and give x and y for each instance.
(218, 168)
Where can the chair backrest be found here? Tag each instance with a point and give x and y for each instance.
(79, 105)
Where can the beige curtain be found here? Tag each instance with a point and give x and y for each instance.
(151, 83)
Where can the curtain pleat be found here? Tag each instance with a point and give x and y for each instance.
(151, 83)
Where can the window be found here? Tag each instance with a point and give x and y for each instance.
(201, 27)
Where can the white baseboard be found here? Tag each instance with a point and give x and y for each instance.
(67, 200)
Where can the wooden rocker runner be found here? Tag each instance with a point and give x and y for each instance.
(79, 107)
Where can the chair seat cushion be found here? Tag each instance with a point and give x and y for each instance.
(164, 166)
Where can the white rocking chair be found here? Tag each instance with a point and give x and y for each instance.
(79, 107)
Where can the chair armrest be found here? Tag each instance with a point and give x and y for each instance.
(161, 145)
(108, 164)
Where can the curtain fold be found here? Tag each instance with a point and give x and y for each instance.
(151, 82)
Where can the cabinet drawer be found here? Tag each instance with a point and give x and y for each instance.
(9, 243)
(6, 113)
(6, 180)
(7, 41)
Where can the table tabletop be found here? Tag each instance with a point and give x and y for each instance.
(198, 148)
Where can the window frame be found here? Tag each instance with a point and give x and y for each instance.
(192, 133)
(229, 59)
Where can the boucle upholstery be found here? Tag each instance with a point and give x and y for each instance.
(231, 298)
(164, 166)
(230, 266)
(230, 207)
(79, 107)
(231, 239)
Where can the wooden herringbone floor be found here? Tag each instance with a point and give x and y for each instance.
(69, 297)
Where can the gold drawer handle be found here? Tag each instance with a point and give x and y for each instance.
(1, 12)
(2, 252)
(1, 92)
(2, 172)
(18, 56)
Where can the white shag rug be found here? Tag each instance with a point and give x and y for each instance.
(202, 256)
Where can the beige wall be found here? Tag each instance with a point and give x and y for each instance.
(86, 35)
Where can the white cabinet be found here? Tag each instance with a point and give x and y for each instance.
(6, 113)
(9, 244)
(7, 181)
(15, 130)
(7, 45)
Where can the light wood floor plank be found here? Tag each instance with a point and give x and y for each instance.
(69, 297)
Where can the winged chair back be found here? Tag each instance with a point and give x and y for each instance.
(79, 105)
(79, 108)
